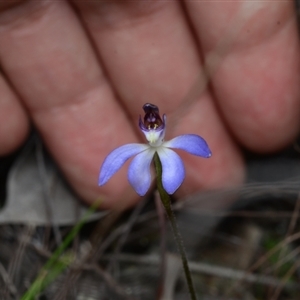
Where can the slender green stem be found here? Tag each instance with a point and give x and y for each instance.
(59, 260)
(165, 198)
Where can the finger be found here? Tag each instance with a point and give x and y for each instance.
(14, 122)
(51, 63)
(257, 81)
(150, 56)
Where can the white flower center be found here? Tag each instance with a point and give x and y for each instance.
(155, 138)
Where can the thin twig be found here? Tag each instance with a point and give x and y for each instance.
(286, 277)
(7, 280)
(124, 234)
(208, 269)
(265, 257)
(294, 218)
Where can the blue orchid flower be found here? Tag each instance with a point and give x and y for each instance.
(139, 174)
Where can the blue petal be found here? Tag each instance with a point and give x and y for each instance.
(173, 171)
(192, 143)
(116, 159)
(139, 174)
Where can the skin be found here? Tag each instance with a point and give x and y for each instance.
(81, 71)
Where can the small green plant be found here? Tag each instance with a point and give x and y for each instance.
(59, 261)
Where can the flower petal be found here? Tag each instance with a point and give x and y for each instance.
(116, 159)
(192, 143)
(139, 174)
(173, 171)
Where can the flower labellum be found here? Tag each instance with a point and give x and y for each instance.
(139, 174)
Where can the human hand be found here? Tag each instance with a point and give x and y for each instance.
(82, 74)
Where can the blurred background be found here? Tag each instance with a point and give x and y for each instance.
(55, 247)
